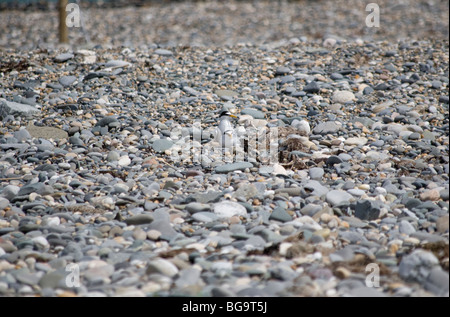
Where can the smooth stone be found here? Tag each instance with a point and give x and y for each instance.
(438, 282)
(338, 197)
(161, 266)
(3, 203)
(139, 219)
(356, 141)
(117, 64)
(204, 216)
(316, 173)
(67, 81)
(356, 192)
(22, 135)
(162, 145)
(227, 209)
(197, 207)
(282, 70)
(333, 159)
(188, 278)
(342, 96)
(53, 279)
(238, 166)
(226, 94)
(406, 228)
(256, 114)
(163, 52)
(64, 57)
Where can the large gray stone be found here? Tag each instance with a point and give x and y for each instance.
(417, 266)
(367, 210)
(162, 145)
(16, 109)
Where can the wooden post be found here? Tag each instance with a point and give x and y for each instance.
(63, 34)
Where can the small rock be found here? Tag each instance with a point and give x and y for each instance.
(227, 209)
(343, 96)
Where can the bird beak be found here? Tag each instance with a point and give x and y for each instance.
(233, 116)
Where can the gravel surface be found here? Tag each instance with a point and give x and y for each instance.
(108, 178)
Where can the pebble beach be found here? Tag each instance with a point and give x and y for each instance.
(99, 196)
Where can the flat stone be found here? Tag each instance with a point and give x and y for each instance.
(256, 114)
(47, 132)
(226, 94)
(280, 214)
(139, 219)
(64, 57)
(282, 70)
(338, 197)
(163, 52)
(192, 208)
(238, 166)
(204, 216)
(117, 64)
(106, 121)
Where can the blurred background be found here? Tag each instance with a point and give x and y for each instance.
(29, 24)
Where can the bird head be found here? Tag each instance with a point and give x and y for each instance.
(226, 113)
